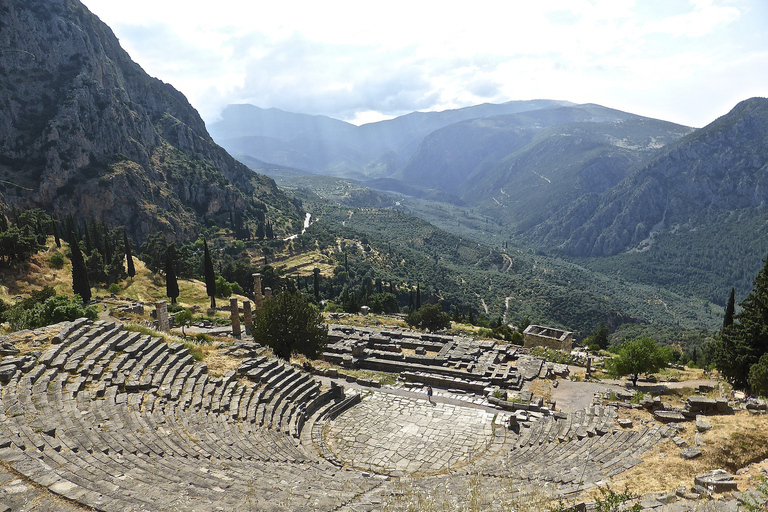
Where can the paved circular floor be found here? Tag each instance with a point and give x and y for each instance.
(405, 436)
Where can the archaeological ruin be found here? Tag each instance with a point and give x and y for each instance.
(116, 420)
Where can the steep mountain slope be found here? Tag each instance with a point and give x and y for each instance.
(722, 168)
(519, 168)
(328, 146)
(85, 131)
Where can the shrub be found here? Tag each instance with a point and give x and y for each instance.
(56, 260)
(429, 317)
(289, 323)
(114, 288)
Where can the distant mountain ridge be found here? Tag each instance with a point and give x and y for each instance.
(328, 146)
(85, 131)
(722, 167)
(517, 161)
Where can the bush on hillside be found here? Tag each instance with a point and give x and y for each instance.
(429, 317)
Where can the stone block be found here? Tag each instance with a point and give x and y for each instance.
(690, 453)
(702, 425)
(717, 480)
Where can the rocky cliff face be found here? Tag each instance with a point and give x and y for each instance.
(722, 167)
(84, 130)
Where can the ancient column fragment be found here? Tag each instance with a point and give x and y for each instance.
(257, 300)
(247, 316)
(161, 312)
(234, 314)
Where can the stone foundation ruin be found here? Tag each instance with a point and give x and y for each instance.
(548, 337)
(121, 421)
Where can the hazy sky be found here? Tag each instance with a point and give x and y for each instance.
(687, 61)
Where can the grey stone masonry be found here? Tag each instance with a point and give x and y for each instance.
(247, 316)
(257, 301)
(161, 312)
(548, 337)
(452, 362)
(115, 420)
(234, 315)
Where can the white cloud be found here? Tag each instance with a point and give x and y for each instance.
(347, 60)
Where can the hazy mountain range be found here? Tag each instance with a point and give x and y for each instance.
(85, 131)
(577, 180)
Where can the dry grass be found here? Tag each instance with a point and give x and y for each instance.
(24, 278)
(740, 437)
(370, 320)
(32, 341)
(542, 388)
(217, 360)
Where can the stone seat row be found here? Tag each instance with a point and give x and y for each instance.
(575, 462)
(179, 439)
(595, 420)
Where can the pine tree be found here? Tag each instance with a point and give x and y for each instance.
(210, 276)
(80, 284)
(171, 283)
(729, 309)
(128, 255)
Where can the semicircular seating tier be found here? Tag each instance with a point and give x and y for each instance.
(117, 420)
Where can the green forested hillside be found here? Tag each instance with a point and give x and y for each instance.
(516, 284)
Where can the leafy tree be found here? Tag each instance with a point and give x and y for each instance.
(128, 255)
(384, 303)
(45, 308)
(758, 376)
(17, 244)
(116, 268)
(80, 284)
(639, 356)
(429, 317)
(730, 309)
(183, 318)
(171, 283)
(290, 323)
(741, 345)
(210, 275)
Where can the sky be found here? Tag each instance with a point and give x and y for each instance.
(685, 61)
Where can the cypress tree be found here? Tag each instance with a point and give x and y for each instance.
(88, 246)
(418, 295)
(316, 282)
(171, 283)
(210, 275)
(260, 230)
(128, 255)
(740, 345)
(729, 309)
(80, 284)
(56, 234)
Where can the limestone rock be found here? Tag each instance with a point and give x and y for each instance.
(717, 480)
(690, 453)
(702, 425)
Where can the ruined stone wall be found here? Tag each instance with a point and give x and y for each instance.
(548, 337)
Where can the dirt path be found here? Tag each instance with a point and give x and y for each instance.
(571, 396)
